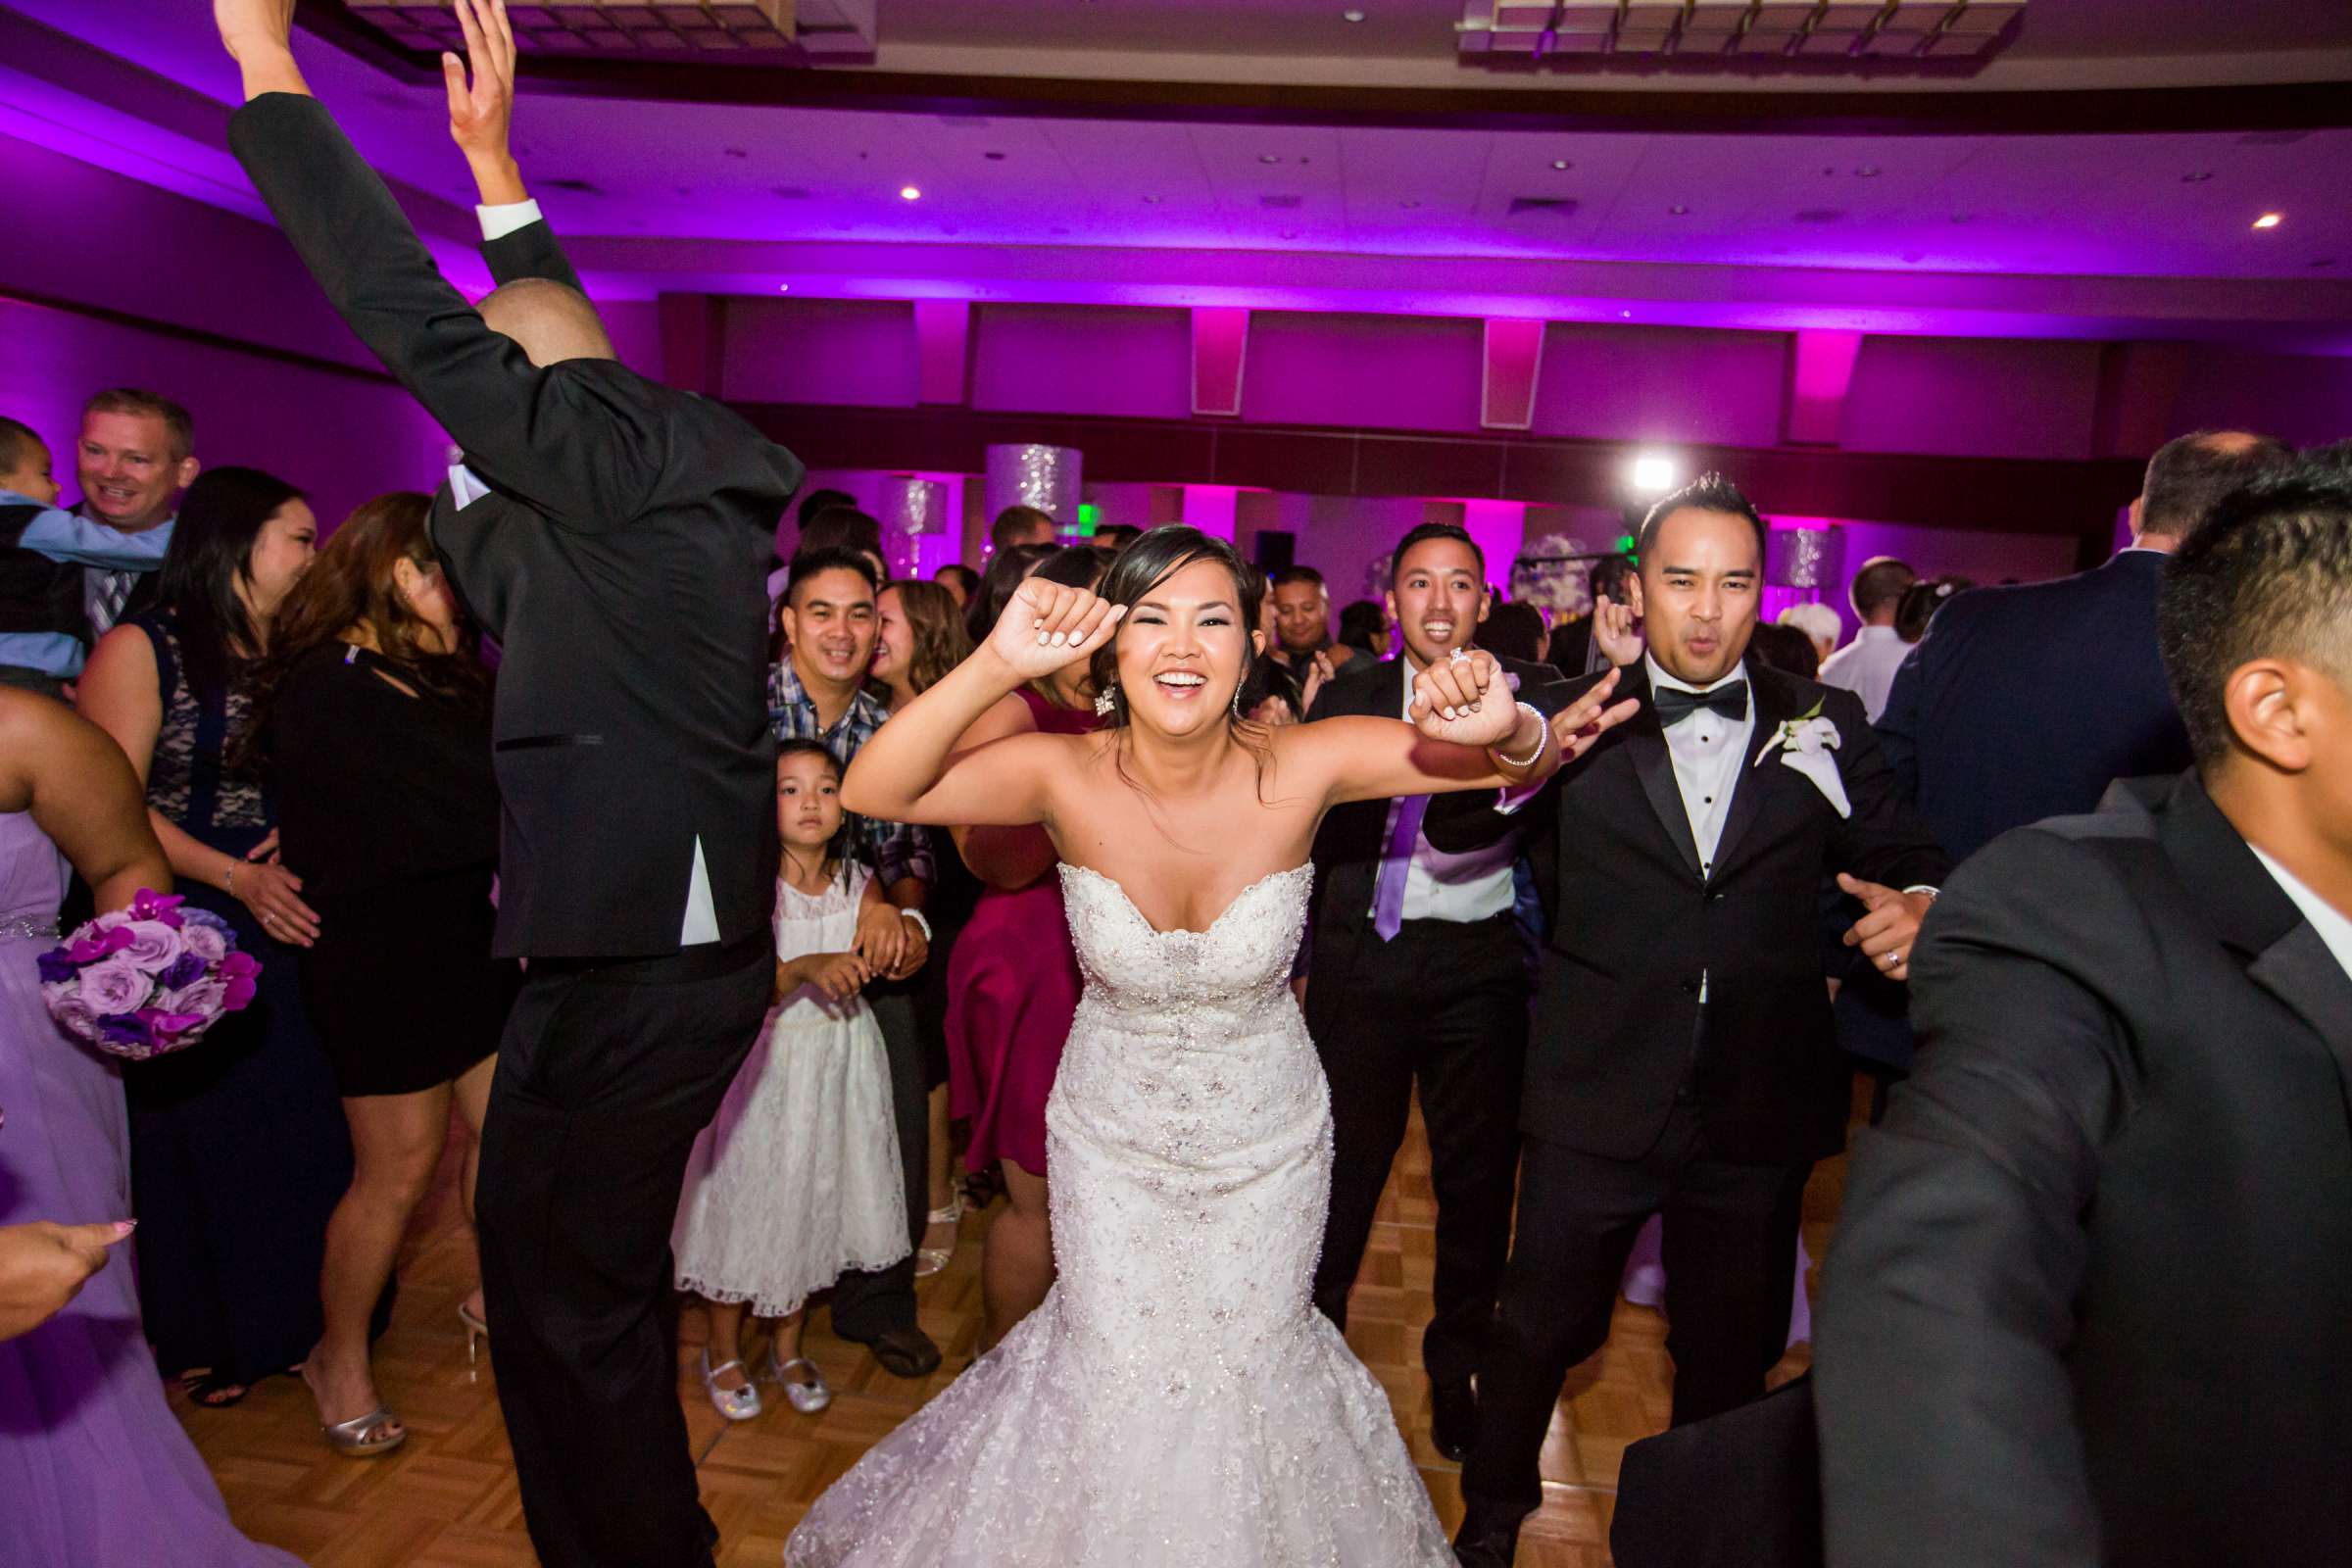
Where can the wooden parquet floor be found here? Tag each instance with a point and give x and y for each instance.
(447, 1497)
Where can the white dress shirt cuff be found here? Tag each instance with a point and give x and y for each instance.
(505, 218)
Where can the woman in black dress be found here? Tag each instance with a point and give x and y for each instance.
(237, 1152)
(375, 720)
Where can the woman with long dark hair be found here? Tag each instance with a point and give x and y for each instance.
(238, 1150)
(919, 636)
(375, 719)
(1012, 980)
(1190, 1126)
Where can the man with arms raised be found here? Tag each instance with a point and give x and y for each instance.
(613, 534)
(2089, 1295)
(1682, 1060)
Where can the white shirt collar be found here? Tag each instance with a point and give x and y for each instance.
(2332, 924)
(1876, 634)
(1658, 676)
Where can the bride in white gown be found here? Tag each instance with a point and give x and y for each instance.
(1177, 1400)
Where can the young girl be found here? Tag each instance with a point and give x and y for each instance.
(797, 1179)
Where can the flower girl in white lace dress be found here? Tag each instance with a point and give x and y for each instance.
(797, 1179)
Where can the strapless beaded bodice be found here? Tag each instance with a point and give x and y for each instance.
(1199, 985)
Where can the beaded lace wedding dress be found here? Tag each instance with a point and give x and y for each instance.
(1177, 1402)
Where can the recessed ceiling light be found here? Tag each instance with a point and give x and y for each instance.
(1652, 474)
(1678, 210)
(994, 157)
(1628, 314)
(1269, 158)
(1352, 16)
(908, 193)
(783, 288)
(2197, 177)
(2269, 220)
(1561, 162)
(1867, 171)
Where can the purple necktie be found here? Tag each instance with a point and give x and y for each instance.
(1387, 893)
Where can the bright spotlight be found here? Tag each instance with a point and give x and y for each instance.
(1652, 475)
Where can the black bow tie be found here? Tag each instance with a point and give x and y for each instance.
(1674, 705)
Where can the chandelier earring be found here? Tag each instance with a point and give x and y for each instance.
(1106, 700)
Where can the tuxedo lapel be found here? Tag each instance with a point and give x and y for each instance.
(2300, 971)
(2252, 913)
(1645, 743)
(1772, 703)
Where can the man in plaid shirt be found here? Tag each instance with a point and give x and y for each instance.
(818, 693)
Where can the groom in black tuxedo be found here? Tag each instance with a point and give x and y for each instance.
(1682, 1060)
(613, 534)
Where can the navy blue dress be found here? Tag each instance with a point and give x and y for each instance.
(239, 1150)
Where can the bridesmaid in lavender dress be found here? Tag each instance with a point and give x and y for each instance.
(93, 1467)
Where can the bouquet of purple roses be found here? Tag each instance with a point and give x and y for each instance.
(147, 980)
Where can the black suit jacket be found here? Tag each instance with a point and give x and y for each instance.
(2026, 703)
(1633, 925)
(2090, 1297)
(622, 563)
(1354, 836)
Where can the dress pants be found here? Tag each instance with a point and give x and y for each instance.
(1730, 1249)
(1443, 1006)
(606, 1074)
(868, 1304)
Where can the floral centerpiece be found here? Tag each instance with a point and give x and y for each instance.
(147, 980)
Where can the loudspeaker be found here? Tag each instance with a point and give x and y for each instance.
(1276, 548)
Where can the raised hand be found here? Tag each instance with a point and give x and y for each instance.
(1576, 727)
(1319, 669)
(480, 114)
(258, 35)
(253, 26)
(1614, 632)
(1888, 926)
(1049, 625)
(1465, 700)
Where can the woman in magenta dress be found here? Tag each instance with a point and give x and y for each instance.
(93, 1467)
(1014, 978)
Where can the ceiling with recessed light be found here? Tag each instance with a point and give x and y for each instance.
(2084, 233)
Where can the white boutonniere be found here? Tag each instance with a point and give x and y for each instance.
(1804, 743)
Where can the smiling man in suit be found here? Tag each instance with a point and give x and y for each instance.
(613, 534)
(1682, 1060)
(2089, 1296)
(1417, 976)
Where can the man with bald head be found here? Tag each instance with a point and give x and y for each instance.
(2024, 702)
(613, 534)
